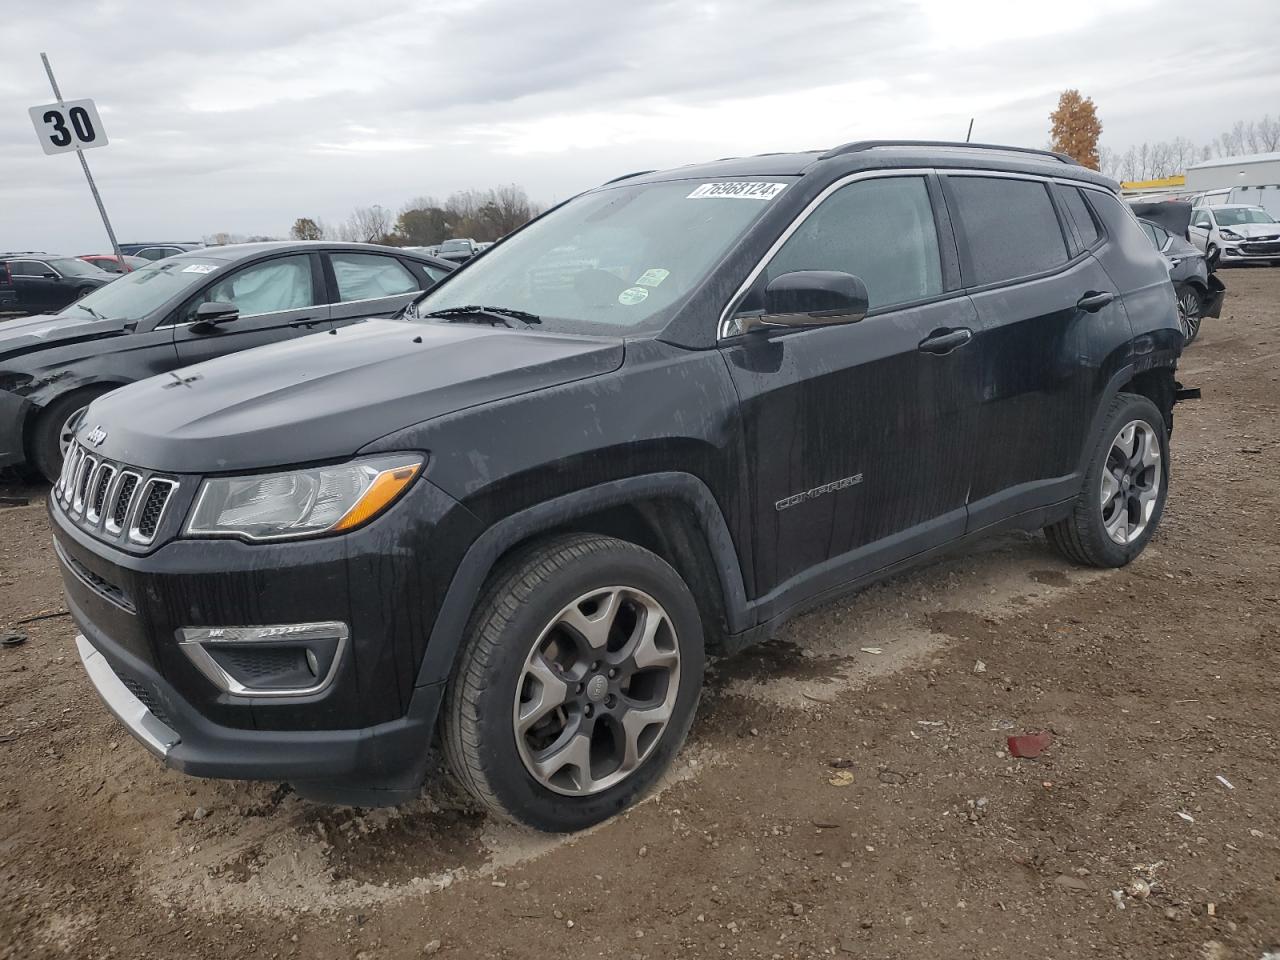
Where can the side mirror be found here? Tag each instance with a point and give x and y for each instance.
(810, 298)
(49, 275)
(215, 312)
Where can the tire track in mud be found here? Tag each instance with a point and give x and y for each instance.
(289, 857)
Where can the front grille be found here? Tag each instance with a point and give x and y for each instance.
(251, 664)
(149, 699)
(112, 501)
(1262, 248)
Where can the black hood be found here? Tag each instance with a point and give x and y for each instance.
(326, 396)
(42, 331)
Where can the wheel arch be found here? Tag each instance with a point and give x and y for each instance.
(674, 515)
(37, 410)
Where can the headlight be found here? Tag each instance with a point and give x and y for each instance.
(1230, 235)
(301, 503)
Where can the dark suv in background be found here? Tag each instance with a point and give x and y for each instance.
(34, 282)
(182, 310)
(521, 519)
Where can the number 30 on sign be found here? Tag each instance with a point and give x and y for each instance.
(67, 126)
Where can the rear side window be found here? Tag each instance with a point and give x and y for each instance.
(28, 268)
(364, 276)
(1079, 213)
(1011, 228)
(881, 231)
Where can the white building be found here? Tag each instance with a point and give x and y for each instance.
(1249, 179)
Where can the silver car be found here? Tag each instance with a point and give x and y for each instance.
(1236, 233)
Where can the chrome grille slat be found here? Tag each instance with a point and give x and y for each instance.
(83, 473)
(152, 503)
(97, 495)
(121, 501)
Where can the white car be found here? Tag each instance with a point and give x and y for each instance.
(1237, 232)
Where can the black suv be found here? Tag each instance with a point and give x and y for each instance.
(33, 282)
(521, 518)
(182, 310)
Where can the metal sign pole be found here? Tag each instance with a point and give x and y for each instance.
(84, 165)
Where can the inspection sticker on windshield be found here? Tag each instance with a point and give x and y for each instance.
(200, 268)
(738, 190)
(633, 295)
(653, 276)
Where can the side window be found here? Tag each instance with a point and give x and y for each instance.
(1150, 231)
(434, 274)
(880, 230)
(1161, 235)
(282, 284)
(1202, 220)
(25, 268)
(1079, 213)
(1011, 228)
(368, 276)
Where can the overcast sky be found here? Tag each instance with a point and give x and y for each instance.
(241, 116)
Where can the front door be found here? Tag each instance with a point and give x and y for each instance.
(279, 299)
(37, 285)
(858, 435)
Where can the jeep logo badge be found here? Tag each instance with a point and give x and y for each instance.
(95, 436)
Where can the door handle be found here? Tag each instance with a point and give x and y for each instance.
(1092, 302)
(944, 341)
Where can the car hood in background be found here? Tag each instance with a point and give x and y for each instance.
(48, 330)
(325, 396)
(1255, 229)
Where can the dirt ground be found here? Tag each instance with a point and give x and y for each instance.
(847, 789)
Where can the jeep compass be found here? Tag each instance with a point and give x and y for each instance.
(654, 423)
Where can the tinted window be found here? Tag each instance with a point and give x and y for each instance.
(364, 276)
(880, 230)
(28, 268)
(1079, 213)
(282, 284)
(1150, 231)
(1011, 228)
(157, 253)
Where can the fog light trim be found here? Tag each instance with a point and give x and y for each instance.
(191, 641)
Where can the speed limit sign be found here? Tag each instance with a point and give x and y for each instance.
(69, 125)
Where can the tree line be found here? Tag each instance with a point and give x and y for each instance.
(479, 214)
(1075, 128)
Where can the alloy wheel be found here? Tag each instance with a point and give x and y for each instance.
(597, 690)
(1131, 478)
(1189, 310)
(68, 431)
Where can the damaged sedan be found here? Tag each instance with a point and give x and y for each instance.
(182, 310)
(1195, 283)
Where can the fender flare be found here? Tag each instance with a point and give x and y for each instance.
(481, 557)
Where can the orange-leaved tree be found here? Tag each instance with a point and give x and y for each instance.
(1076, 128)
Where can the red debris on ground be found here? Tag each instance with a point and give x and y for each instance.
(1030, 745)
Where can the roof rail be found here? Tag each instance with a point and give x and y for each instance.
(858, 146)
(626, 176)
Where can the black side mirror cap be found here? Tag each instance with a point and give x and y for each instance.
(215, 312)
(810, 298)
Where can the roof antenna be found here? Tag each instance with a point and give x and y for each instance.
(970, 133)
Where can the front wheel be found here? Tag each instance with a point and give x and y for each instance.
(577, 683)
(1125, 487)
(56, 428)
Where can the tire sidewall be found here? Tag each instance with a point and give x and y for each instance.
(46, 453)
(1133, 408)
(503, 769)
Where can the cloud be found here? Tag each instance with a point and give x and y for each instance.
(242, 116)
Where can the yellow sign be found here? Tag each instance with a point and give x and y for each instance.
(1179, 180)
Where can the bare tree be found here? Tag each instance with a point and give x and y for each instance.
(367, 225)
(1269, 134)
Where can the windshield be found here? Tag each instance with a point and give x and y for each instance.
(613, 260)
(1234, 216)
(455, 245)
(134, 295)
(75, 267)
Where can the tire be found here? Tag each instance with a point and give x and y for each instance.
(48, 440)
(1190, 311)
(1086, 536)
(520, 632)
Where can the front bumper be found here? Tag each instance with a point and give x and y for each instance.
(1245, 252)
(14, 411)
(363, 738)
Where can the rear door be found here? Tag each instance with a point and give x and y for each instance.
(858, 435)
(1044, 305)
(368, 285)
(279, 298)
(37, 285)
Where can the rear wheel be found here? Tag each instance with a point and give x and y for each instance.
(1124, 492)
(1190, 311)
(56, 428)
(577, 683)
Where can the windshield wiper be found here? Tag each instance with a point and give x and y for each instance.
(91, 312)
(490, 314)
